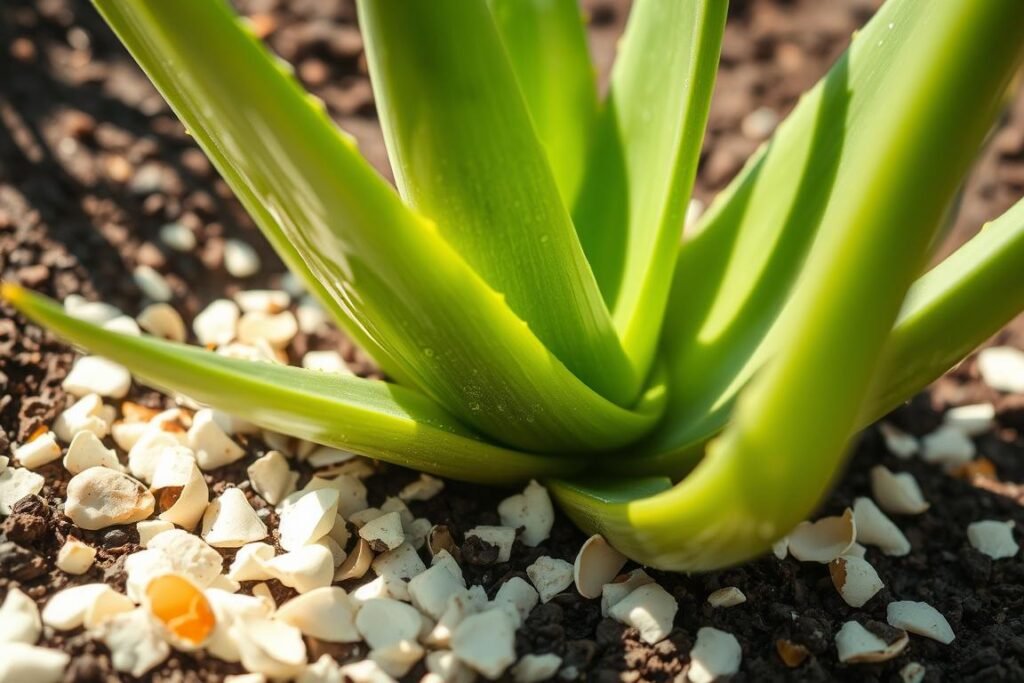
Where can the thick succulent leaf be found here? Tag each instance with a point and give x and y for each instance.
(465, 154)
(948, 64)
(644, 159)
(546, 43)
(368, 417)
(397, 284)
(726, 313)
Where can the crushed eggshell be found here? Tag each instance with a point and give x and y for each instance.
(623, 585)
(325, 613)
(855, 579)
(502, 537)
(898, 442)
(530, 510)
(325, 361)
(897, 494)
(650, 609)
(596, 564)
(149, 528)
(75, 557)
(23, 662)
(536, 668)
(431, 589)
(135, 641)
(356, 563)
(182, 608)
(947, 446)
(66, 609)
(1002, 368)
(15, 484)
(424, 488)
(920, 618)
(486, 642)
(730, 596)
(217, 324)
(179, 488)
(824, 540)
(384, 532)
(874, 528)
(401, 563)
(19, 619)
(161, 320)
(550, 576)
(230, 522)
(38, 452)
(100, 497)
(305, 569)
(309, 518)
(270, 647)
(96, 375)
(276, 329)
(263, 300)
(152, 283)
(855, 644)
(715, 655)
(213, 447)
(86, 450)
(383, 622)
(993, 538)
(85, 415)
(972, 420)
(272, 477)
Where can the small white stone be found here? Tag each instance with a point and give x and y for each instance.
(401, 563)
(1002, 368)
(277, 329)
(95, 312)
(149, 528)
(213, 448)
(101, 497)
(715, 655)
(431, 589)
(75, 557)
(178, 237)
(149, 450)
(447, 668)
(461, 606)
(897, 494)
(730, 596)
(19, 619)
(40, 451)
(383, 622)
(127, 434)
(366, 671)
(135, 642)
(217, 324)
(240, 259)
(250, 562)
(519, 596)
(326, 361)
(397, 659)
(152, 283)
(324, 613)
(272, 648)
(308, 519)
(311, 316)
(325, 456)
(899, 443)
(824, 540)
(855, 644)
(874, 528)
(855, 579)
(500, 536)
(650, 609)
(623, 585)
(85, 451)
(179, 488)
(424, 488)
(531, 510)
(272, 478)
(230, 522)
(305, 569)
(95, 375)
(84, 415)
(596, 564)
(122, 324)
(948, 446)
(920, 618)
(263, 300)
(536, 668)
(550, 576)
(972, 420)
(384, 532)
(20, 662)
(486, 642)
(161, 320)
(993, 538)
(67, 608)
(15, 484)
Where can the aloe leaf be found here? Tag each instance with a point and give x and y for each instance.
(546, 43)
(393, 278)
(644, 159)
(367, 417)
(769, 469)
(726, 314)
(465, 154)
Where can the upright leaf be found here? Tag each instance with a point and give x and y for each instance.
(367, 417)
(948, 63)
(641, 171)
(465, 154)
(546, 43)
(392, 276)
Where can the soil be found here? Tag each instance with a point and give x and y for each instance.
(92, 164)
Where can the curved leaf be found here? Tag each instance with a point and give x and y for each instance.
(371, 418)
(774, 462)
(394, 280)
(465, 153)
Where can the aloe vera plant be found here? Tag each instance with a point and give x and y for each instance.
(527, 289)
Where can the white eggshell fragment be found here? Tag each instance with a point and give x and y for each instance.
(212, 446)
(897, 494)
(75, 557)
(384, 532)
(948, 446)
(1002, 368)
(230, 522)
(272, 477)
(430, 590)
(101, 497)
(15, 484)
(823, 540)
(486, 642)
(19, 619)
(715, 655)
(308, 519)
(530, 510)
(993, 538)
(623, 585)
(650, 609)
(39, 451)
(325, 613)
(920, 618)
(596, 564)
(855, 579)
(536, 668)
(179, 488)
(855, 644)
(217, 324)
(500, 536)
(20, 662)
(730, 596)
(972, 420)
(86, 450)
(383, 622)
(874, 528)
(161, 320)
(305, 569)
(95, 375)
(550, 576)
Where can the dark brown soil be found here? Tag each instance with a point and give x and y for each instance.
(92, 164)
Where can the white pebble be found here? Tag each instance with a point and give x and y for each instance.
(874, 528)
(536, 668)
(1002, 368)
(715, 655)
(650, 609)
(95, 375)
(486, 642)
(19, 619)
(240, 259)
(897, 494)
(550, 576)
(993, 538)
(39, 451)
(85, 451)
(948, 446)
(75, 557)
(217, 324)
(152, 283)
(972, 420)
(730, 596)
(178, 237)
(161, 320)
